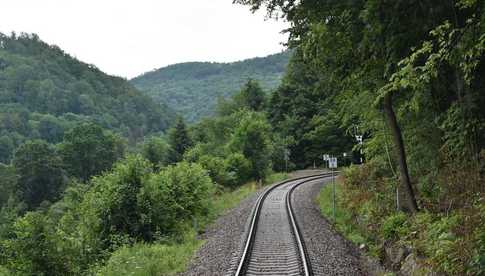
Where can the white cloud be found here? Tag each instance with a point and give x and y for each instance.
(128, 37)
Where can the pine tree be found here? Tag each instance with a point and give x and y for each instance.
(179, 141)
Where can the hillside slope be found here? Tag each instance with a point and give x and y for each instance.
(44, 92)
(193, 88)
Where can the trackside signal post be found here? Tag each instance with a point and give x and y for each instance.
(332, 164)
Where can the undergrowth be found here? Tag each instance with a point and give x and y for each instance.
(450, 241)
(167, 258)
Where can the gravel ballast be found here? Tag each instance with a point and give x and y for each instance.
(223, 240)
(330, 254)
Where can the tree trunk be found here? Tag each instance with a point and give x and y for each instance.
(401, 153)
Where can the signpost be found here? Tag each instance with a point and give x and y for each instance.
(287, 158)
(325, 158)
(332, 164)
(360, 141)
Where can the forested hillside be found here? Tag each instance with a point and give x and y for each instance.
(193, 88)
(44, 92)
(409, 77)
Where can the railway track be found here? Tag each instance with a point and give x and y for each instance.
(274, 245)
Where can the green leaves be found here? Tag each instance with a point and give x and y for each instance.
(88, 150)
(40, 174)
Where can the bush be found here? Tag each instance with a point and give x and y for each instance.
(4, 271)
(478, 261)
(31, 249)
(174, 197)
(156, 150)
(395, 226)
(150, 259)
(239, 166)
(216, 168)
(111, 212)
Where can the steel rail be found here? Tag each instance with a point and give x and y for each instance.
(296, 233)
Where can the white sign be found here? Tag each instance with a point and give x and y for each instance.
(287, 154)
(326, 157)
(332, 163)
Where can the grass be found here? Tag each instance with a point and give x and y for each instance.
(343, 221)
(169, 259)
(228, 200)
(151, 259)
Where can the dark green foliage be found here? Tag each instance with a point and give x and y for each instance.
(8, 182)
(251, 96)
(192, 89)
(301, 111)
(40, 174)
(44, 92)
(89, 150)
(179, 140)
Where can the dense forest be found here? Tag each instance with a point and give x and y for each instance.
(44, 92)
(406, 75)
(193, 88)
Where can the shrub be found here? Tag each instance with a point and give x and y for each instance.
(396, 225)
(4, 271)
(150, 259)
(175, 196)
(478, 261)
(238, 165)
(216, 168)
(110, 209)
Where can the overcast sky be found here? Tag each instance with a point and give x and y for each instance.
(129, 37)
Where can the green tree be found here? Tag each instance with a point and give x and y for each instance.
(179, 140)
(51, 129)
(252, 137)
(40, 174)
(89, 150)
(156, 150)
(251, 96)
(8, 182)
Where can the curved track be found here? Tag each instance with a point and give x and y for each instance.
(274, 245)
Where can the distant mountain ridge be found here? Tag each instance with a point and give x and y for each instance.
(192, 88)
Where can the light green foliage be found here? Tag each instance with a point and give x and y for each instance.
(395, 226)
(112, 206)
(4, 271)
(84, 145)
(151, 259)
(168, 259)
(252, 138)
(239, 167)
(175, 196)
(40, 174)
(342, 215)
(193, 89)
(217, 170)
(156, 150)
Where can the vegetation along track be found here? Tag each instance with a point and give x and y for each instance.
(274, 245)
